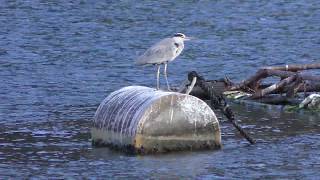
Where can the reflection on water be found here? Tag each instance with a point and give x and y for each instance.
(58, 60)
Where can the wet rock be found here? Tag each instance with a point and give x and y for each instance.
(150, 121)
(311, 102)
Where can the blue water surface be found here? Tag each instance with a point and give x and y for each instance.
(60, 59)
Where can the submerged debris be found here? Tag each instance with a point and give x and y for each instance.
(214, 92)
(291, 88)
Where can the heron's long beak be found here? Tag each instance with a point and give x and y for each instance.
(187, 38)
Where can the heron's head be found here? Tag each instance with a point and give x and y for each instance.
(181, 36)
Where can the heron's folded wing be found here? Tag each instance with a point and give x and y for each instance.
(159, 53)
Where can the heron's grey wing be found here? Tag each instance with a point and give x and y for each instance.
(159, 53)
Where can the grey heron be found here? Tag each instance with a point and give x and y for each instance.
(162, 53)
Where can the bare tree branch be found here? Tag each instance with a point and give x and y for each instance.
(294, 67)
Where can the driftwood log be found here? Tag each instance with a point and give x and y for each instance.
(292, 81)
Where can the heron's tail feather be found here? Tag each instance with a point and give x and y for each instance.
(141, 61)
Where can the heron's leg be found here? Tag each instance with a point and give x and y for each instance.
(158, 76)
(166, 76)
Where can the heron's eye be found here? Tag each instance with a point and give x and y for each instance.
(176, 44)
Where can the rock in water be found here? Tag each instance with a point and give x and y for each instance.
(144, 120)
(311, 102)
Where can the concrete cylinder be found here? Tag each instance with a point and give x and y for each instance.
(144, 120)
